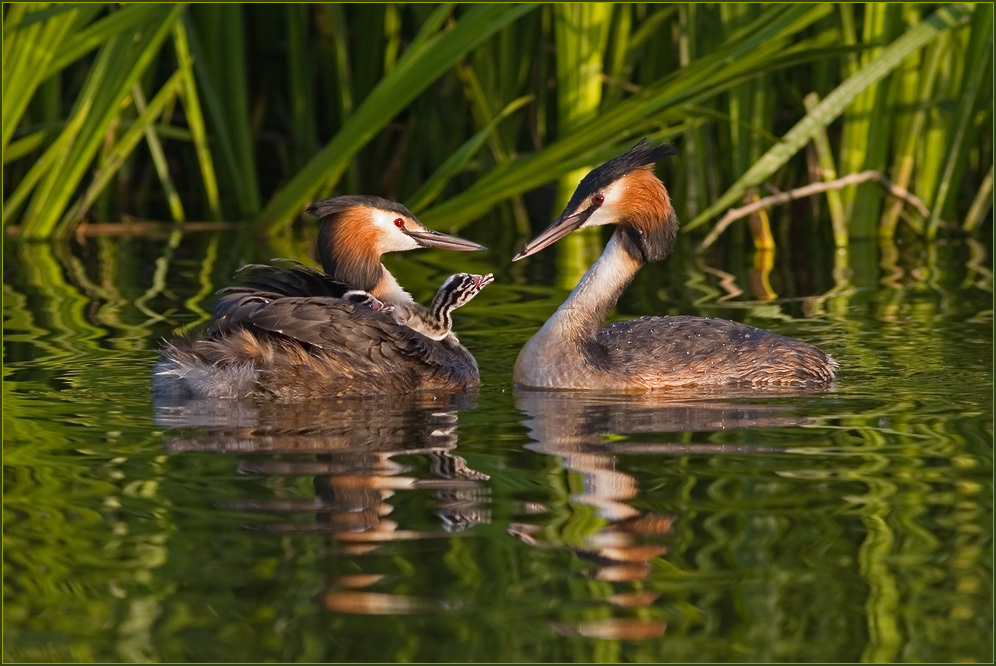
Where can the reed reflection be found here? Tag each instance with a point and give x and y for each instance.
(622, 544)
(366, 457)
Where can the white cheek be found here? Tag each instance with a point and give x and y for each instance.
(393, 238)
(399, 242)
(612, 207)
(606, 214)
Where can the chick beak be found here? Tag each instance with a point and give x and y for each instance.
(428, 238)
(562, 226)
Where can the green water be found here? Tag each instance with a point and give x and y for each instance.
(853, 524)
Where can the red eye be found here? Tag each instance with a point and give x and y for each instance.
(597, 199)
(399, 223)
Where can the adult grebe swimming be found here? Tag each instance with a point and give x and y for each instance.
(293, 332)
(574, 351)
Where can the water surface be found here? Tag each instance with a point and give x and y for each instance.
(849, 524)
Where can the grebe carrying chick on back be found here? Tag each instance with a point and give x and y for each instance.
(573, 350)
(290, 331)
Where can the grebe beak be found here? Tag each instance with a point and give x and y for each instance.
(482, 281)
(562, 226)
(429, 238)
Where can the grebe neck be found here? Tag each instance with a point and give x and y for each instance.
(434, 322)
(583, 313)
(389, 290)
(348, 255)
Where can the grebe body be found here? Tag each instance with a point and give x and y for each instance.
(278, 346)
(573, 350)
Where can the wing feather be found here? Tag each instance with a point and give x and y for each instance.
(655, 350)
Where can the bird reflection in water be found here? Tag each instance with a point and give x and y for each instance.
(573, 426)
(352, 450)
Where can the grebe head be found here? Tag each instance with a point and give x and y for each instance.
(357, 229)
(455, 292)
(365, 298)
(624, 191)
(460, 288)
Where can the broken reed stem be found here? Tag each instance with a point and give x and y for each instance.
(808, 190)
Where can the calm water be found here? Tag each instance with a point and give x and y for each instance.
(853, 524)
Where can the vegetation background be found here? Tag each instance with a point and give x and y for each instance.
(246, 112)
(130, 126)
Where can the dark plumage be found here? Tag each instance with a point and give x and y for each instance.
(294, 347)
(698, 350)
(329, 207)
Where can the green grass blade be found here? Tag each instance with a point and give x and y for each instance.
(195, 120)
(124, 146)
(693, 142)
(301, 91)
(981, 204)
(834, 104)
(392, 35)
(416, 69)
(838, 217)
(648, 30)
(158, 156)
(428, 29)
(16, 12)
(616, 67)
(337, 81)
(456, 162)
(26, 145)
(657, 105)
(50, 159)
(100, 32)
(581, 31)
(40, 215)
(979, 57)
(910, 139)
(121, 61)
(480, 102)
(858, 116)
(867, 123)
(726, 75)
(25, 63)
(220, 65)
(233, 69)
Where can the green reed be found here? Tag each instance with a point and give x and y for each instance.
(248, 112)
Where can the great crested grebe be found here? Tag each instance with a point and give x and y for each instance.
(291, 331)
(574, 351)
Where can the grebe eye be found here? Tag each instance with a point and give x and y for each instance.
(399, 223)
(598, 199)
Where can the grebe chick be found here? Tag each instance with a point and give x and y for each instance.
(574, 351)
(271, 345)
(434, 322)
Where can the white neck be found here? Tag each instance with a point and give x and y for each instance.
(553, 357)
(389, 291)
(585, 310)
